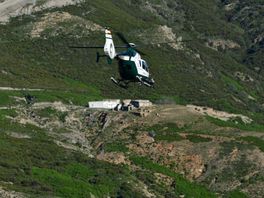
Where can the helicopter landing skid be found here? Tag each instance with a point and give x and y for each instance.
(143, 82)
(120, 83)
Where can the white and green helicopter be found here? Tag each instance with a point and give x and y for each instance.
(132, 68)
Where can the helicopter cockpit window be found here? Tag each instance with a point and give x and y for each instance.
(145, 66)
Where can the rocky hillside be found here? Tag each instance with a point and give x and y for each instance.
(60, 150)
(9, 9)
(203, 138)
(249, 15)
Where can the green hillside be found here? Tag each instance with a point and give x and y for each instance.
(213, 58)
(196, 74)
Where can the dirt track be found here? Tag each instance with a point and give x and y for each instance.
(18, 89)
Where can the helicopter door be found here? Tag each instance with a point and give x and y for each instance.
(143, 68)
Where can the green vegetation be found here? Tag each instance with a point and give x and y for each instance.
(116, 147)
(7, 112)
(78, 98)
(8, 126)
(50, 112)
(182, 186)
(77, 180)
(236, 123)
(229, 81)
(170, 132)
(254, 141)
(228, 147)
(46, 112)
(166, 127)
(70, 96)
(64, 185)
(166, 132)
(170, 137)
(37, 166)
(6, 98)
(197, 138)
(238, 168)
(236, 194)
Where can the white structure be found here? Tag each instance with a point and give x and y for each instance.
(105, 104)
(125, 105)
(126, 102)
(141, 103)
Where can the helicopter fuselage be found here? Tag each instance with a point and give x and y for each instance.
(133, 68)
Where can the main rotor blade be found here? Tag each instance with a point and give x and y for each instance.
(86, 47)
(120, 46)
(140, 52)
(93, 47)
(162, 43)
(122, 38)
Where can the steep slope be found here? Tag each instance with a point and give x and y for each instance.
(249, 15)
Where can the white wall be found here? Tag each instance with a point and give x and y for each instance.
(104, 104)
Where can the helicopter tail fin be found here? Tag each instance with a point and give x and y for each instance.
(109, 47)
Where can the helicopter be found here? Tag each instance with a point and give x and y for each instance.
(132, 68)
